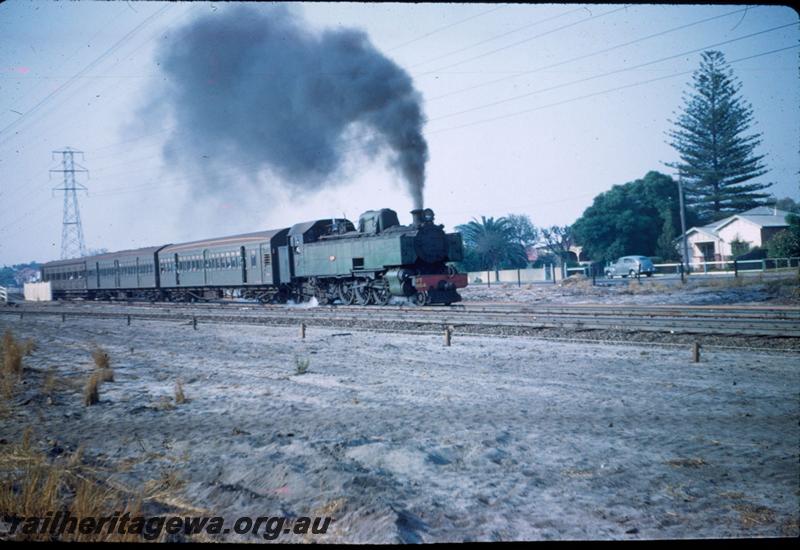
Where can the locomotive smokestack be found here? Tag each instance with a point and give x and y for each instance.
(416, 217)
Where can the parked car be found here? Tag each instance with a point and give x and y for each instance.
(630, 266)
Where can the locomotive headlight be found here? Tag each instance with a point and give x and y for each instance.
(427, 215)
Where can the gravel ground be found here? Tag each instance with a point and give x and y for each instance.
(404, 440)
(773, 290)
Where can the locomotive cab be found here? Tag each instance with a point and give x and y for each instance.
(377, 221)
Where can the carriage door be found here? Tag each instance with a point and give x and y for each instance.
(177, 272)
(116, 273)
(205, 267)
(97, 272)
(243, 254)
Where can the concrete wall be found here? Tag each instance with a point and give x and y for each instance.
(530, 275)
(38, 292)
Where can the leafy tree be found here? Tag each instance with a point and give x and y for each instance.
(14, 275)
(786, 243)
(739, 247)
(665, 245)
(787, 204)
(522, 230)
(717, 157)
(558, 240)
(638, 217)
(491, 244)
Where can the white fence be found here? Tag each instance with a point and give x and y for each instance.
(710, 268)
(552, 273)
(38, 292)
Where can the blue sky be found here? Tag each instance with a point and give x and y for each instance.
(531, 109)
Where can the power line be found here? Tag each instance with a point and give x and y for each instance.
(515, 44)
(181, 179)
(602, 92)
(86, 69)
(585, 56)
(609, 73)
(103, 28)
(440, 29)
(497, 37)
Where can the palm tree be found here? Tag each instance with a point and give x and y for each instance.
(492, 242)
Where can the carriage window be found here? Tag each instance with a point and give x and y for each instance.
(252, 259)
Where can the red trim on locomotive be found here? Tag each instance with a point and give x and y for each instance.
(432, 282)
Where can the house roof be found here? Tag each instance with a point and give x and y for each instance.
(762, 216)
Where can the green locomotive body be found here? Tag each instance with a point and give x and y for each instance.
(376, 261)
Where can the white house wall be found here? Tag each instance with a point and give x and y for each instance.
(699, 237)
(742, 230)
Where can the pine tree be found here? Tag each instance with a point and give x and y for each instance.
(717, 157)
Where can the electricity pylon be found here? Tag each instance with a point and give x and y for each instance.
(72, 245)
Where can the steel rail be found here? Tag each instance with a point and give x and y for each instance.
(770, 326)
(632, 310)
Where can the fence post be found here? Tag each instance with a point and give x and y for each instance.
(488, 278)
(594, 275)
(705, 267)
(680, 269)
(735, 268)
(519, 280)
(696, 352)
(763, 265)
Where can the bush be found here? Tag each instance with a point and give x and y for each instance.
(785, 244)
(756, 253)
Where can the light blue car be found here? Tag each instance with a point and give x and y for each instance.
(630, 266)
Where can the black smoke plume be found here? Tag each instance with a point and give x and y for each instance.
(261, 90)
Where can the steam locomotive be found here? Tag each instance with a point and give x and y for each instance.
(329, 259)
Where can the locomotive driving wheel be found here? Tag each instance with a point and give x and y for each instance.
(346, 293)
(363, 292)
(421, 298)
(380, 293)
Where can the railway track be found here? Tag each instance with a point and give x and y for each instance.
(759, 321)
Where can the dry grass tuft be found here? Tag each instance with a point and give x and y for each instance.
(105, 375)
(12, 355)
(165, 403)
(102, 363)
(28, 347)
(687, 462)
(33, 485)
(101, 358)
(91, 393)
(49, 382)
(752, 516)
(180, 398)
(11, 367)
(300, 365)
